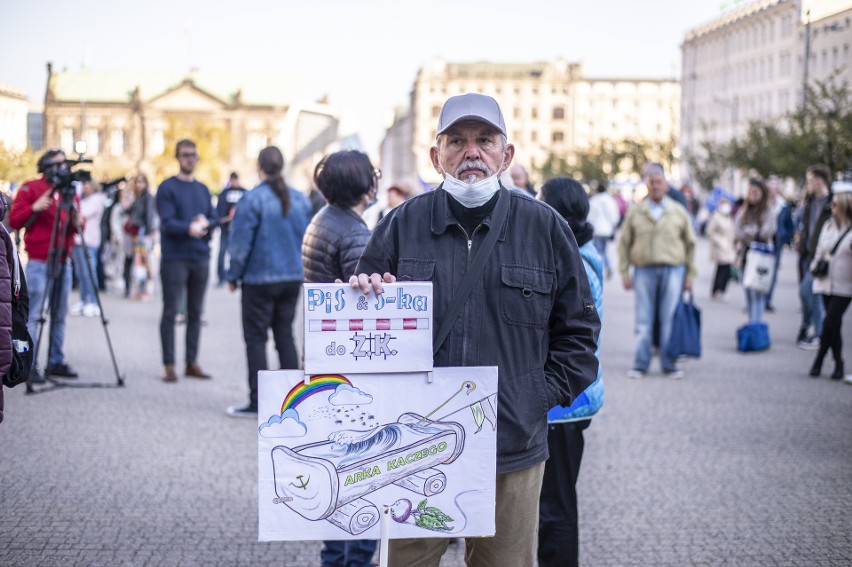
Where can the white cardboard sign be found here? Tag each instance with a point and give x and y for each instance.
(346, 331)
(333, 451)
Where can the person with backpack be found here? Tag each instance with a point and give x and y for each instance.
(16, 345)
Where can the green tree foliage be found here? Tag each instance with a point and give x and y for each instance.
(607, 159)
(818, 133)
(17, 166)
(709, 163)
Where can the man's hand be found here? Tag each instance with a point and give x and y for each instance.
(627, 282)
(42, 202)
(232, 286)
(687, 285)
(198, 227)
(372, 282)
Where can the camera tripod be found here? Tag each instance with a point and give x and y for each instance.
(57, 264)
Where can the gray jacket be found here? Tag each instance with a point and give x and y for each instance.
(532, 315)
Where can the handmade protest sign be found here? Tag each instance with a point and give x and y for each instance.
(334, 449)
(346, 331)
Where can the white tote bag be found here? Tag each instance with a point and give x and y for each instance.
(759, 265)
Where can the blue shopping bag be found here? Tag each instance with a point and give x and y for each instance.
(753, 337)
(685, 339)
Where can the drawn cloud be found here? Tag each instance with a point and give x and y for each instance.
(285, 425)
(346, 395)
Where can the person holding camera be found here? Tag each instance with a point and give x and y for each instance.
(831, 269)
(34, 209)
(186, 214)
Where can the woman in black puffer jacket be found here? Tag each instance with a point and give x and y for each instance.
(330, 250)
(337, 234)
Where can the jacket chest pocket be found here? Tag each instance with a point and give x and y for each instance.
(525, 296)
(415, 269)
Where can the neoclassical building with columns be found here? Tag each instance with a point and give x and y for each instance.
(129, 120)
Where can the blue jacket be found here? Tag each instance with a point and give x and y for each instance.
(590, 401)
(178, 203)
(266, 246)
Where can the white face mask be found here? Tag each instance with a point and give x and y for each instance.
(471, 195)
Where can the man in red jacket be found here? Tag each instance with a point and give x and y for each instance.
(34, 209)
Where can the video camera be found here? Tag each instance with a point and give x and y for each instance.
(62, 177)
(60, 174)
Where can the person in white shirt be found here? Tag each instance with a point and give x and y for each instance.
(604, 216)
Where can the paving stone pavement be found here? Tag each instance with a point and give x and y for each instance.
(746, 461)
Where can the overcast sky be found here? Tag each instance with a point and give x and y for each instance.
(363, 54)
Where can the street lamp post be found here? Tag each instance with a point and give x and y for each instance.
(835, 26)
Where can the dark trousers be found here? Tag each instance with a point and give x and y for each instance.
(558, 542)
(832, 325)
(351, 553)
(224, 239)
(268, 306)
(180, 277)
(720, 280)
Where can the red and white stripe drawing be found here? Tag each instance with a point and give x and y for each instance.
(390, 324)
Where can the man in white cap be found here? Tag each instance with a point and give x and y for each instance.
(527, 310)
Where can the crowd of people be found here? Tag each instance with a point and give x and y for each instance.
(468, 235)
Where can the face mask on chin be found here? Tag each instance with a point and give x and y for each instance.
(471, 195)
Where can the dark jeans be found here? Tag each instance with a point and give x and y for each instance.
(351, 553)
(268, 306)
(224, 239)
(720, 280)
(832, 325)
(558, 542)
(180, 277)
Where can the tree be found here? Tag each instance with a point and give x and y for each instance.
(709, 163)
(818, 133)
(17, 166)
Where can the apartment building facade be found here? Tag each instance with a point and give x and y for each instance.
(550, 107)
(751, 63)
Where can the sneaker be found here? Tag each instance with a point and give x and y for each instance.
(635, 373)
(180, 318)
(848, 379)
(242, 411)
(62, 370)
(770, 309)
(674, 374)
(77, 308)
(803, 334)
(810, 343)
(91, 310)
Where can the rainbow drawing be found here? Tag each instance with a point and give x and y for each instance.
(318, 383)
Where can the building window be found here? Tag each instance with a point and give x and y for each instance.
(158, 143)
(256, 141)
(116, 143)
(66, 140)
(558, 113)
(558, 137)
(516, 113)
(436, 112)
(93, 141)
(534, 112)
(534, 136)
